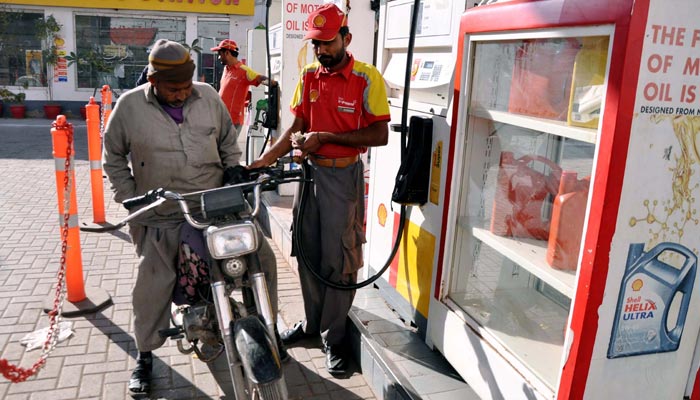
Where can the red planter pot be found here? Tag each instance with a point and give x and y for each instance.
(51, 111)
(18, 110)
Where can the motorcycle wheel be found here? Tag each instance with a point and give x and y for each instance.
(270, 391)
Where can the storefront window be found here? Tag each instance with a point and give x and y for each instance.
(210, 32)
(114, 50)
(21, 62)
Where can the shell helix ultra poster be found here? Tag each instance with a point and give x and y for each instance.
(649, 319)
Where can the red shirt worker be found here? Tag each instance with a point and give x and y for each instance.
(236, 80)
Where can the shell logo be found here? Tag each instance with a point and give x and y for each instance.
(637, 284)
(313, 95)
(382, 214)
(319, 21)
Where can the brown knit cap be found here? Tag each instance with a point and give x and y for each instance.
(170, 61)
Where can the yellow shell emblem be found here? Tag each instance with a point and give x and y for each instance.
(319, 21)
(382, 214)
(637, 284)
(313, 95)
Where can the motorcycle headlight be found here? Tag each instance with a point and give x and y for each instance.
(232, 240)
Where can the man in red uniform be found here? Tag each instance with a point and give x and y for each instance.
(236, 80)
(340, 108)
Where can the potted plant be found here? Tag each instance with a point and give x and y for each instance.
(16, 102)
(47, 31)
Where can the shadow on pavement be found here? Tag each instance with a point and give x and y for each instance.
(162, 388)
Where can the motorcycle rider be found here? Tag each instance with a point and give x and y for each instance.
(178, 135)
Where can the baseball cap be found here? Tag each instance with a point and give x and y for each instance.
(226, 44)
(325, 22)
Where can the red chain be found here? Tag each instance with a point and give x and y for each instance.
(12, 372)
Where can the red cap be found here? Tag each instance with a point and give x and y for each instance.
(325, 22)
(226, 44)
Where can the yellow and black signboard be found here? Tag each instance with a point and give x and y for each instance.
(239, 7)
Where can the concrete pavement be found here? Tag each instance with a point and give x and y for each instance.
(391, 361)
(96, 361)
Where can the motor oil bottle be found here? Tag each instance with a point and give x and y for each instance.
(568, 214)
(586, 96)
(641, 324)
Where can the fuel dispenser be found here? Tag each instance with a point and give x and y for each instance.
(406, 284)
(257, 108)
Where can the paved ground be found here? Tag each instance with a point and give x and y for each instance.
(95, 362)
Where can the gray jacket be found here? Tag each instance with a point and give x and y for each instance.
(179, 157)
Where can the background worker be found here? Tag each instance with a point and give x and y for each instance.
(179, 136)
(236, 80)
(340, 107)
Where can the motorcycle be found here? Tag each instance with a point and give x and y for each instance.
(235, 315)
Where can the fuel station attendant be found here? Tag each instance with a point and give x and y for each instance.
(340, 108)
(236, 80)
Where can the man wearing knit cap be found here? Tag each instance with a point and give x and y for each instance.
(179, 137)
(236, 80)
(340, 108)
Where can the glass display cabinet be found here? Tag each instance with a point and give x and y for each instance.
(569, 258)
(532, 129)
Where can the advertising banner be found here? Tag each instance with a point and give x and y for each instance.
(650, 315)
(296, 52)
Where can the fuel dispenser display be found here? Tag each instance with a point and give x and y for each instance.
(420, 177)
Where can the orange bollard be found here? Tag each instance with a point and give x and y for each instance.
(95, 157)
(63, 151)
(106, 99)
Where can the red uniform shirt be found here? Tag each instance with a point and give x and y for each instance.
(340, 102)
(233, 89)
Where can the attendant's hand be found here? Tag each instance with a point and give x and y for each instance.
(307, 143)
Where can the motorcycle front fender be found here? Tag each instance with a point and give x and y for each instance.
(256, 350)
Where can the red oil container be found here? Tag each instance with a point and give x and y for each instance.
(521, 192)
(568, 212)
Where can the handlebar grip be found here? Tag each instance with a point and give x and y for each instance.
(143, 200)
(293, 173)
(136, 201)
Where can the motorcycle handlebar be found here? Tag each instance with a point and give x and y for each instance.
(257, 180)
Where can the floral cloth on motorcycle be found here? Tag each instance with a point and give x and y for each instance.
(192, 268)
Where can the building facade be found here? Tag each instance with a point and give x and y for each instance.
(65, 55)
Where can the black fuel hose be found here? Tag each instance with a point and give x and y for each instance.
(303, 259)
(268, 3)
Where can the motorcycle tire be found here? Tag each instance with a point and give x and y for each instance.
(269, 391)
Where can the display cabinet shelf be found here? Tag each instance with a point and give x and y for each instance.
(559, 128)
(529, 254)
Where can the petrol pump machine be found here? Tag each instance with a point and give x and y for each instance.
(257, 60)
(406, 284)
(568, 266)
